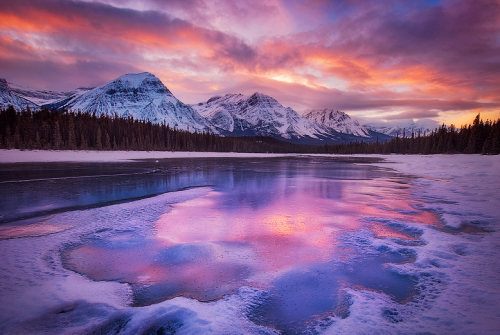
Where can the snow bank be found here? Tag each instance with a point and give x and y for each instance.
(24, 156)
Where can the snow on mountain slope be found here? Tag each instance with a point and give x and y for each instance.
(337, 120)
(259, 114)
(39, 97)
(21, 96)
(9, 97)
(141, 96)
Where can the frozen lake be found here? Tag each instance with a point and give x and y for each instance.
(299, 244)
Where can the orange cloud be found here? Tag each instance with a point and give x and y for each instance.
(352, 55)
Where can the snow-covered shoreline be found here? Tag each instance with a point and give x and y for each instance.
(414, 163)
(33, 156)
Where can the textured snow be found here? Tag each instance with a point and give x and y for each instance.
(337, 120)
(35, 283)
(460, 271)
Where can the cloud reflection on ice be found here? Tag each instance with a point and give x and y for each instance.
(277, 230)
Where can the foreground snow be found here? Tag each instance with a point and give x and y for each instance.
(460, 269)
(463, 191)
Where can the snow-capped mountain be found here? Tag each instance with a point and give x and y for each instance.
(398, 131)
(259, 114)
(337, 120)
(142, 96)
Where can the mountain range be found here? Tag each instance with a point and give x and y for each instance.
(143, 96)
(398, 131)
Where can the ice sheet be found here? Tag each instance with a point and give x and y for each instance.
(435, 227)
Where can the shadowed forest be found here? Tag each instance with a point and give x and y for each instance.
(53, 130)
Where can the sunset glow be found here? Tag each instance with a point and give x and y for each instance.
(378, 61)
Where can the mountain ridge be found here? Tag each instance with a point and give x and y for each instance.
(143, 96)
(258, 114)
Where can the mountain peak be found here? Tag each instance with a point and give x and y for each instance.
(3, 83)
(259, 95)
(136, 82)
(140, 95)
(137, 79)
(213, 99)
(258, 114)
(336, 120)
(259, 98)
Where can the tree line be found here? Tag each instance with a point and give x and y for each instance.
(482, 137)
(54, 130)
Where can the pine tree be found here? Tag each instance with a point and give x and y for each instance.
(98, 139)
(71, 134)
(83, 142)
(107, 142)
(57, 141)
(494, 140)
(17, 138)
(38, 144)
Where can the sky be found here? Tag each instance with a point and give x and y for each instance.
(382, 62)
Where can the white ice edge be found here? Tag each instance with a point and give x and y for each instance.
(34, 156)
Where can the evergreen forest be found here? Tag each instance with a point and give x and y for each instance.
(54, 130)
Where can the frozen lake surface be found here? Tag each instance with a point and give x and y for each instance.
(234, 245)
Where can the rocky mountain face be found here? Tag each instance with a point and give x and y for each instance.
(259, 114)
(338, 121)
(21, 97)
(40, 97)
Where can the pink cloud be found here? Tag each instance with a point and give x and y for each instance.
(419, 58)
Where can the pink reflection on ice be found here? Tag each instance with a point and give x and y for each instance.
(203, 248)
(295, 229)
(32, 230)
(288, 232)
